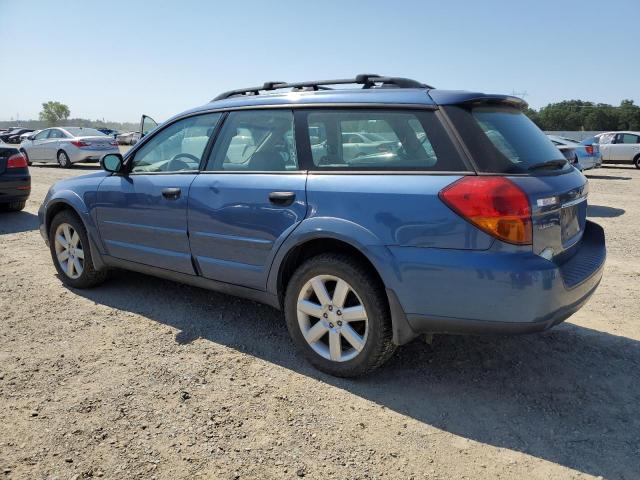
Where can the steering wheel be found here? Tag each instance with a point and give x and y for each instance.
(176, 162)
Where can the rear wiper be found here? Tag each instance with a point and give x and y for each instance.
(548, 164)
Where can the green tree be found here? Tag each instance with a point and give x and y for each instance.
(52, 112)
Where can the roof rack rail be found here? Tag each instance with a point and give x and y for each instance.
(367, 80)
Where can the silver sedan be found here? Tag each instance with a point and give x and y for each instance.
(68, 145)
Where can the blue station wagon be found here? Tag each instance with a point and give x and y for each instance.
(370, 210)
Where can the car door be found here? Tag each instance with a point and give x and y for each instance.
(142, 215)
(51, 145)
(626, 147)
(242, 207)
(36, 149)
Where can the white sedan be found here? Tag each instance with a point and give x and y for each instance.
(619, 147)
(68, 145)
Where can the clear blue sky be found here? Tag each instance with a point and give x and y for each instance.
(117, 59)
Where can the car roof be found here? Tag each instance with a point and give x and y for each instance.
(351, 97)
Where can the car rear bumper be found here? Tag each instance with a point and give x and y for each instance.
(14, 188)
(488, 292)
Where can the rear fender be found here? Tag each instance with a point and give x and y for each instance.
(363, 240)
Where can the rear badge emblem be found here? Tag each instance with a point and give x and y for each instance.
(545, 202)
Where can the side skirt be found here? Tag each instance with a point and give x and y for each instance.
(195, 281)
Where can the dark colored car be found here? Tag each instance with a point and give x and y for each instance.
(15, 181)
(108, 131)
(13, 136)
(470, 221)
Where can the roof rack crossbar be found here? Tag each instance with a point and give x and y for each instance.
(367, 80)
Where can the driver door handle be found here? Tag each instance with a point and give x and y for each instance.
(171, 193)
(282, 199)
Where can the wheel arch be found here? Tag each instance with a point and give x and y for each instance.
(375, 257)
(73, 204)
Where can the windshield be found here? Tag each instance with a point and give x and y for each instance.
(503, 140)
(84, 132)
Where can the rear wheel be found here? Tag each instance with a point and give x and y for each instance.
(70, 252)
(338, 316)
(63, 159)
(636, 161)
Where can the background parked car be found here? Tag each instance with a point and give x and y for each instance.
(618, 147)
(13, 136)
(128, 138)
(26, 135)
(15, 181)
(68, 145)
(582, 156)
(109, 131)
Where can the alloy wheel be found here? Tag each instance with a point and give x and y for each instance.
(69, 251)
(63, 159)
(332, 318)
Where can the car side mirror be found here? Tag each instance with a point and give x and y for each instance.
(111, 162)
(31, 137)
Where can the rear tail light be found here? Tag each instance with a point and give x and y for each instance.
(17, 161)
(494, 204)
(79, 143)
(589, 149)
(114, 143)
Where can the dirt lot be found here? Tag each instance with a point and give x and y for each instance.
(145, 378)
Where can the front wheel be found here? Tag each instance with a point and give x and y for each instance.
(71, 253)
(338, 317)
(63, 159)
(636, 161)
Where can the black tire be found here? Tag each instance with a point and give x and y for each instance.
(63, 159)
(636, 161)
(90, 277)
(14, 206)
(378, 346)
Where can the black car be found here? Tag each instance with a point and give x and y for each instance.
(13, 136)
(15, 181)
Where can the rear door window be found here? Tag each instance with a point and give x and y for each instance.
(502, 139)
(380, 139)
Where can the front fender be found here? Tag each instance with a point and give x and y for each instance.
(63, 199)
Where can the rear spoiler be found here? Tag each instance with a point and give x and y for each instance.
(448, 97)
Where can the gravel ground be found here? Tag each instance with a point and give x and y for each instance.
(145, 378)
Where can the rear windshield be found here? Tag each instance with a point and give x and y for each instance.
(84, 132)
(502, 139)
(380, 139)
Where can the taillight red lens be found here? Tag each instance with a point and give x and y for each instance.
(79, 143)
(114, 143)
(493, 204)
(17, 160)
(589, 149)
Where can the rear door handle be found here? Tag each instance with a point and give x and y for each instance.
(282, 199)
(171, 193)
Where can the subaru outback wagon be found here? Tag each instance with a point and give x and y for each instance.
(370, 210)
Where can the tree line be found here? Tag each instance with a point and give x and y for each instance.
(574, 115)
(569, 115)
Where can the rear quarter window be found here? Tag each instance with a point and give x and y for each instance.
(379, 139)
(502, 139)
